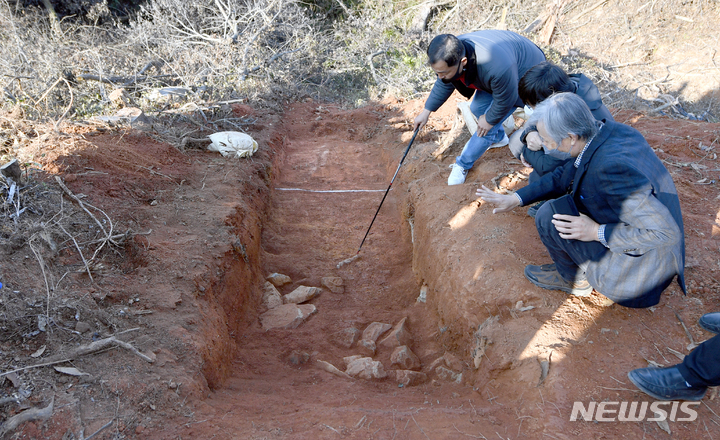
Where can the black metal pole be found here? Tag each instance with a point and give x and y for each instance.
(407, 149)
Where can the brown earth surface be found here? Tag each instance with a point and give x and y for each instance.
(201, 232)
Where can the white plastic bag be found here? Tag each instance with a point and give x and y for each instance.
(233, 143)
(471, 120)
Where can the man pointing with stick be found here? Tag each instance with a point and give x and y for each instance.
(616, 224)
(486, 65)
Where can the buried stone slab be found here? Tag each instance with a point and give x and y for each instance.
(448, 360)
(271, 296)
(408, 378)
(399, 336)
(345, 338)
(448, 375)
(366, 347)
(333, 284)
(373, 331)
(278, 279)
(302, 294)
(403, 358)
(364, 368)
(286, 316)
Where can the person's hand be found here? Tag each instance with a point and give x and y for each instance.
(421, 119)
(483, 126)
(580, 227)
(524, 162)
(504, 202)
(533, 141)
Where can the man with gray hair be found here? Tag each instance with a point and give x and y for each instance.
(616, 224)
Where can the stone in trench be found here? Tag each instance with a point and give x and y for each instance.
(373, 331)
(403, 358)
(448, 375)
(302, 294)
(333, 284)
(409, 378)
(271, 296)
(286, 316)
(330, 368)
(453, 362)
(398, 336)
(448, 360)
(298, 357)
(278, 279)
(366, 347)
(365, 368)
(346, 338)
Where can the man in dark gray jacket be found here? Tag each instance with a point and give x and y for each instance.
(488, 64)
(616, 225)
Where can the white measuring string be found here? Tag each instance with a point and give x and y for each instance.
(331, 190)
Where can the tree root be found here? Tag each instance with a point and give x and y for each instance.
(26, 416)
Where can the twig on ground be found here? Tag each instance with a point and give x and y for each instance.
(469, 435)
(107, 425)
(5, 400)
(155, 172)
(27, 416)
(93, 347)
(108, 234)
(41, 261)
(416, 424)
(72, 98)
(77, 246)
(687, 332)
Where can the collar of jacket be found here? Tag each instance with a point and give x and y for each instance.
(600, 138)
(471, 72)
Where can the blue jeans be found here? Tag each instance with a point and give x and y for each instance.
(477, 146)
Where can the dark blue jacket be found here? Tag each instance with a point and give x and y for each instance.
(621, 183)
(496, 62)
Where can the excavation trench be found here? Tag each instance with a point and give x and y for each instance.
(501, 357)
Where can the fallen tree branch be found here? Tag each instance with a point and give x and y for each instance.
(121, 80)
(93, 347)
(108, 234)
(372, 66)
(27, 416)
(107, 425)
(72, 98)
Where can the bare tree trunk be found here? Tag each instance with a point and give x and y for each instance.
(54, 22)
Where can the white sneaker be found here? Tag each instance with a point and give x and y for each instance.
(457, 175)
(505, 140)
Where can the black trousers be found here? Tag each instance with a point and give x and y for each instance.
(702, 366)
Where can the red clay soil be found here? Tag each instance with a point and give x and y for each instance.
(220, 226)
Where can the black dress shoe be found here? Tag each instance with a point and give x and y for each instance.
(665, 384)
(710, 322)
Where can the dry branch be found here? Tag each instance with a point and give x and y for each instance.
(12, 170)
(102, 428)
(123, 81)
(93, 347)
(27, 416)
(108, 234)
